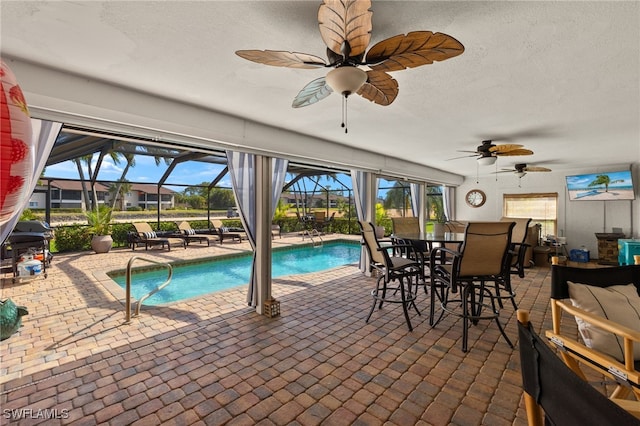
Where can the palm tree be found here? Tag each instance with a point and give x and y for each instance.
(85, 192)
(604, 180)
(117, 191)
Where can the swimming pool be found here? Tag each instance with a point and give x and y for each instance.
(216, 274)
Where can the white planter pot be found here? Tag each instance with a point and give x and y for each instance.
(438, 228)
(101, 243)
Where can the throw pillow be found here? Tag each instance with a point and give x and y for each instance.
(191, 232)
(150, 234)
(618, 303)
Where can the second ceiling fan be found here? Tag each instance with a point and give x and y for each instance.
(488, 152)
(522, 169)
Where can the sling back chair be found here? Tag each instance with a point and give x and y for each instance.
(484, 256)
(555, 394)
(411, 226)
(150, 238)
(606, 305)
(189, 234)
(405, 271)
(518, 251)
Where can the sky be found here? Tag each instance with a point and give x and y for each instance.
(146, 171)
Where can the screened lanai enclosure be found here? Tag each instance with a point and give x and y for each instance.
(253, 188)
(96, 156)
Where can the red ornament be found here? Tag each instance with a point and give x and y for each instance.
(16, 146)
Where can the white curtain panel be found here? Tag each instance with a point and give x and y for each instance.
(280, 167)
(417, 202)
(362, 191)
(242, 168)
(44, 134)
(447, 201)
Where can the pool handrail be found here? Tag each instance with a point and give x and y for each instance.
(146, 296)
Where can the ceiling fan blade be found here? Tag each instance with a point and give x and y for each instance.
(380, 88)
(474, 152)
(281, 58)
(502, 149)
(462, 156)
(536, 169)
(345, 20)
(520, 151)
(313, 92)
(412, 50)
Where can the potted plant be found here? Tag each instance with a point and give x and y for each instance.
(439, 218)
(99, 221)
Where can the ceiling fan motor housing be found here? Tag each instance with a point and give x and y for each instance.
(346, 79)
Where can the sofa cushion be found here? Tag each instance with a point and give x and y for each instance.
(618, 303)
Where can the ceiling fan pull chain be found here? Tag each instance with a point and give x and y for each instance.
(344, 113)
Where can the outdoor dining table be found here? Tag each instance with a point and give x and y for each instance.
(430, 238)
(425, 241)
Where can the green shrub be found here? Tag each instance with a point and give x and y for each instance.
(72, 238)
(28, 214)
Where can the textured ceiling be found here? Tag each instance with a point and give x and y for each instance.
(561, 78)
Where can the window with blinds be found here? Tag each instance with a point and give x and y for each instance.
(541, 208)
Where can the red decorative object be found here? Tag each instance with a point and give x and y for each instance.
(16, 146)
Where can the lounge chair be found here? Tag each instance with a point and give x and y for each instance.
(149, 237)
(189, 234)
(225, 232)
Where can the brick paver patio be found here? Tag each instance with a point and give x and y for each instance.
(213, 360)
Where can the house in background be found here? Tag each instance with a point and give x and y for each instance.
(146, 197)
(67, 194)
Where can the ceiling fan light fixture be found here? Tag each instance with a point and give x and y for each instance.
(487, 161)
(346, 80)
(520, 173)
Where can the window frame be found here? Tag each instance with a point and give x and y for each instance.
(549, 225)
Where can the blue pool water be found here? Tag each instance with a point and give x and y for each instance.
(195, 279)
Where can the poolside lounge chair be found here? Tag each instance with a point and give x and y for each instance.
(225, 232)
(189, 234)
(149, 237)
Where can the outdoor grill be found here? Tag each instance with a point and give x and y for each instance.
(30, 234)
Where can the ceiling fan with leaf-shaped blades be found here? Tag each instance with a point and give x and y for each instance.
(522, 169)
(345, 27)
(488, 152)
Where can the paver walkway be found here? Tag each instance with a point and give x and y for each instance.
(212, 360)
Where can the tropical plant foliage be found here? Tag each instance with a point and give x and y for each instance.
(99, 220)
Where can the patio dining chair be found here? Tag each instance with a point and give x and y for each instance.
(189, 234)
(483, 258)
(150, 238)
(518, 249)
(405, 271)
(411, 226)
